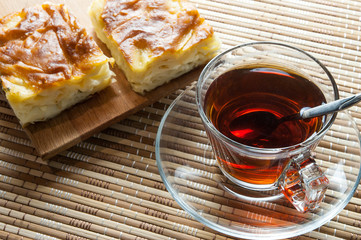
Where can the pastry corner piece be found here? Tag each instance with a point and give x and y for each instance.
(155, 41)
(48, 62)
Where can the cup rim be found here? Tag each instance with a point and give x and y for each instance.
(303, 144)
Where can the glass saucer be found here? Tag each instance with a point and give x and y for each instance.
(191, 174)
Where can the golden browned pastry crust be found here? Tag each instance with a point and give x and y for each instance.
(153, 25)
(154, 41)
(45, 47)
(48, 62)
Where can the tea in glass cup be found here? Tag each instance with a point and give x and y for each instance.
(236, 92)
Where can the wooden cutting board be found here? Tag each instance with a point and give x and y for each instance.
(101, 110)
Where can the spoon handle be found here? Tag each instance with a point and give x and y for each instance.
(330, 107)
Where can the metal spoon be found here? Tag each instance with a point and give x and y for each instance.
(262, 123)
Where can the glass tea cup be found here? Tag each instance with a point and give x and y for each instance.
(280, 80)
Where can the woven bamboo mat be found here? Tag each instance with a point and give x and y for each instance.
(109, 187)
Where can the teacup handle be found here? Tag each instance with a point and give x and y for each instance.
(303, 183)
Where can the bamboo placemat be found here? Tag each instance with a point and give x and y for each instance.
(109, 187)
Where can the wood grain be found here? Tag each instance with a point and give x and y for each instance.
(101, 110)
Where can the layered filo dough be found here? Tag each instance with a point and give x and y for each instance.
(48, 62)
(155, 41)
